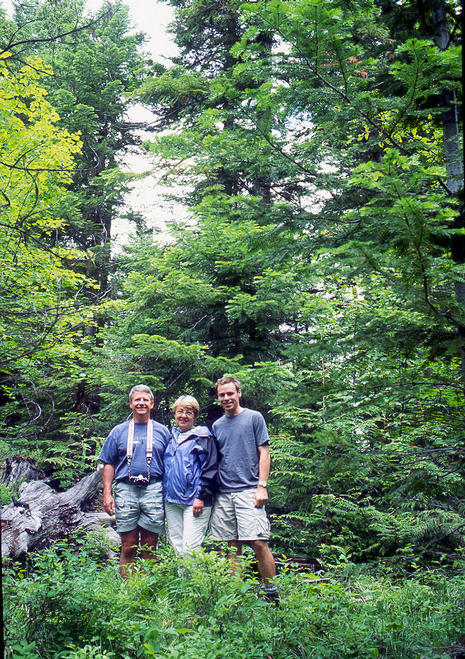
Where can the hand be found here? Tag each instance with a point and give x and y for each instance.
(109, 504)
(197, 507)
(261, 496)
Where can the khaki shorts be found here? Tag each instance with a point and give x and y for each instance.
(235, 517)
(139, 506)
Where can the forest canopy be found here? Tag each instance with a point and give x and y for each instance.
(318, 149)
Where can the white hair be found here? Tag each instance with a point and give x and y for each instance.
(141, 387)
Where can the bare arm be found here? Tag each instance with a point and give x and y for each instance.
(264, 461)
(107, 478)
(197, 507)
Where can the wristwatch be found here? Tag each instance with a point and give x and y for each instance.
(263, 483)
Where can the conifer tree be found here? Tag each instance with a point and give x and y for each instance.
(342, 118)
(94, 64)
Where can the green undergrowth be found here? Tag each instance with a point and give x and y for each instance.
(69, 603)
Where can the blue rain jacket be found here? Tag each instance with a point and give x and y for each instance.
(190, 467)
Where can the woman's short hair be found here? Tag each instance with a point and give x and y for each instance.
(187, 401)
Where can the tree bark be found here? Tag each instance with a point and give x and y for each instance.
(454, 164)
(41, 515)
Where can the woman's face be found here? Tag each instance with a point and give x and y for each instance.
(184, 417)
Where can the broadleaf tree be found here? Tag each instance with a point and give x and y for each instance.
(88, 63)
(42, 299)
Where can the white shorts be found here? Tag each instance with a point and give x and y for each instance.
(235, 517)
(185, 531)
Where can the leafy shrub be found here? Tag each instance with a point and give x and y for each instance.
(5, 495)
(69, 604)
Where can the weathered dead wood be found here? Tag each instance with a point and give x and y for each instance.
(92, 521)
(18, 469)
(41, 514)
(297, 563)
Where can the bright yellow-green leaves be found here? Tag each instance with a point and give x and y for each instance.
(36, 158)
(39, 303)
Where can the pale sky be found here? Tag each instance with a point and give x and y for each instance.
(147, 198)
(151, 17)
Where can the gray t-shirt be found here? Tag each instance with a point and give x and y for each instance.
(238, 439)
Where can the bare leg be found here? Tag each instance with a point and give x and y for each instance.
(265, 560)
(129, 544)
(235, 556)
(148, 539)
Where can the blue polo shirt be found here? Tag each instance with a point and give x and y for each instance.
(114, 450)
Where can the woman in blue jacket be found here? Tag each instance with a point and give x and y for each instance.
(189, 479)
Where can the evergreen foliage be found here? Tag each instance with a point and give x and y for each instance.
(321, 261)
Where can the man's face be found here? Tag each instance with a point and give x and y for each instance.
(229, 397)
(141, 404)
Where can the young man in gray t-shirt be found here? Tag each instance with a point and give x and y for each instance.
(243, 468)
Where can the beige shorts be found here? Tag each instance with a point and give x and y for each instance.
(139, 506)
(235, 517)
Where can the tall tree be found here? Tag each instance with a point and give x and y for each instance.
(383, 334)
(358, 229)
(233, 185)
(95, 62)
(41, 302)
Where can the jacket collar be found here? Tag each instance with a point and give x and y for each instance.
(196, 431)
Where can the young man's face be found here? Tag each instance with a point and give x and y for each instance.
(141, 404)
(229, 397)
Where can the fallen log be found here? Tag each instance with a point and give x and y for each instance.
(40, 515)
(297, 563)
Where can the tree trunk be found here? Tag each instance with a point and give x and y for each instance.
(41, 515)
(454, 164)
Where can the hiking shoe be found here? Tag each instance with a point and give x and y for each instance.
(271, 598)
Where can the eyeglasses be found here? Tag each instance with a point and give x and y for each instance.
(181, 410)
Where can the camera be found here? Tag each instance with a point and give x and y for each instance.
(139, 480)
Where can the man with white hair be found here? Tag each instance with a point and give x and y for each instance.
(132, 457)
